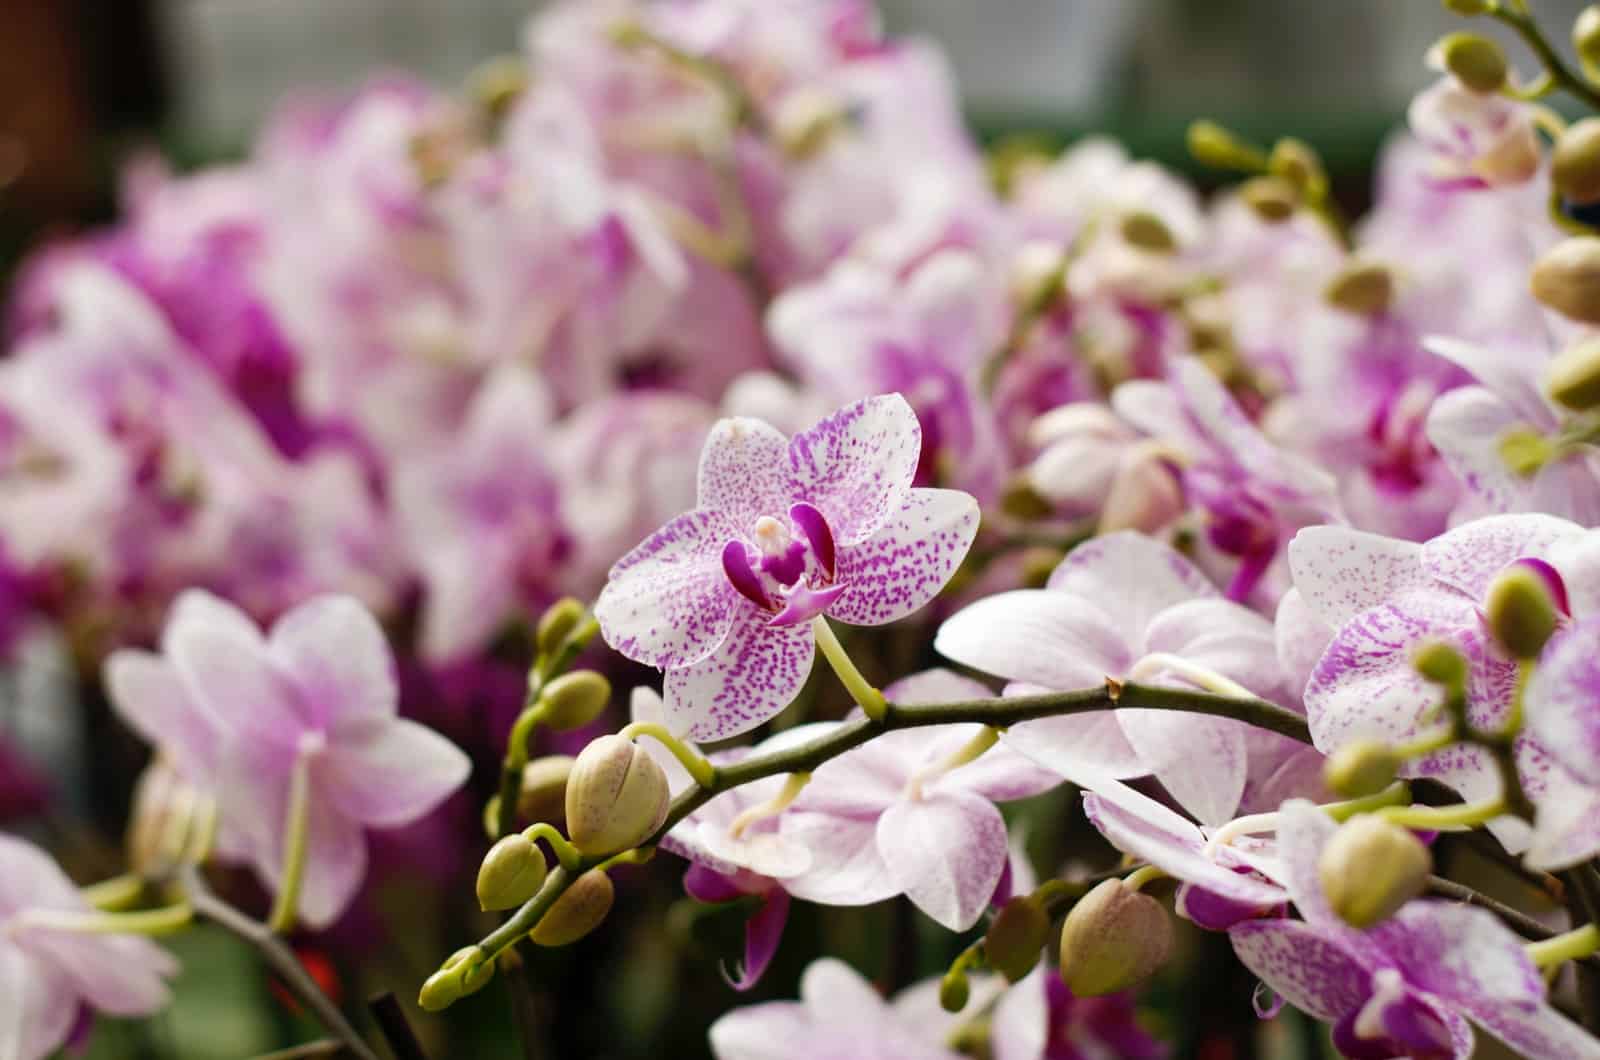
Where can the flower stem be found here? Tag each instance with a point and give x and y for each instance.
(986, 738)
(1568, 946)
(1393, 795)
(115, 894)
(1136, 880)
(1444, 818)
(699, 767)
(287, 905)
(566, 853)
(1517, 17)
(771, 808)
(144, 922)
(867, 697)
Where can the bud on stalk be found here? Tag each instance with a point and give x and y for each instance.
(1567, 279)
(573, 700)
(1370, 868)
(1016, 936)
(616, 796)
(1114, 938)
(512, 872)
(577, 912)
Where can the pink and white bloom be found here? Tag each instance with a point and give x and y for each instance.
(891, 817)
(52, 975)
(827, 523)
(1127, 607)
(1478, 139)
(1413, 984)
(319, 695)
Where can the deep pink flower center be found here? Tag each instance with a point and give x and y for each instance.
(786, 567)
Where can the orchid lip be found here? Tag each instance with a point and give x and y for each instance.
(806, 603)
(742, 576)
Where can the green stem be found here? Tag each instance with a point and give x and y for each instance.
(115, 894)
(1528, 29)
(867, 697)
(1567, 946)
(1444, 818)
(973, 749)
(1137, 879)
(567, 854)
(771, 808)
(1393, 795)
(287, 905)
(699, 767)
(145, 922)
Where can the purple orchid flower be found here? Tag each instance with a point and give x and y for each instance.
(1408, 986)
(1040, 1019)
(1125, 606)
(891, 818)
(318, 695)
(1384, 597)
(1253, 494)
(786, 530)
(50, 975)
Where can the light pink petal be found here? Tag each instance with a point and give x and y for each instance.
(857, 464)
(1341, 572)
(668, 603)
(1306, 966)
(833, 992)
(866, 780)
(935, 686)
(337, 656)
(645, 705)
(1153, 408)
(198, 609)
(37, 1006)
(469, 593)
(389, 773)
(1001, 774)
(1563, 699)
(1568, 486)
(846, 868)
(148, 694)
(744, 471)
(1300, 637)
(776, 1030)
(123, 975)
(1222, 636)
(946, 851)
(1132, 576)
(1200, 760)
(336, 863)
(1460, 953)
(1468, 557)
(755, 673)
(762, 933)
(1566, 830)
(908, 559)
(1021, 1026)
(29, 876)
(1510, 374)
(1465, 426)
(1039, 636)
(1536, 1032)
(1079, 747)
(1578, 561)
(237, 682)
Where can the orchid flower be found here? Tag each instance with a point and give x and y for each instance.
(786, 531)
(55, 968)
(1128, 608)
(1411, 985)
(1040, 1019)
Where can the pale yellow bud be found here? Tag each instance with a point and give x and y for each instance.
(1475, 60)
(1567, 279)
(1362, 768)
(1572, 378)
(577, 912)
(1365, 288)
(616, 796)
(544, 789)
(1017, 934)
(1575, 162)
(573, 700)
(1114, 938)
(1270, 198)
(511, 873)
(1372, 867)
(1586, 34)
(557, 624)
(1521, 611)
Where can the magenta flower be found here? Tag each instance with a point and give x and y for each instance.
(1408, 986)
(49, 973)
(786, 531)
(1126, 606)
(891, 818)
(317, 698)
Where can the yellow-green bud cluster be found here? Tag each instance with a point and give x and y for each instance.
(1017, 935)
(512, 872)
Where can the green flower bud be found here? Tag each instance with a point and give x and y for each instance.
(1575, 162)
(1017, 935)
(496, 85)
(1567, 279)
(1114, 938)
(1372, 867)
(511, 873)
(1572, 378)
(954, 991)
(1525, 451)
(1271, 198)
(1214, 146)
(578, 912)
(1521, 611)
(1146, 231)
(1475, 60)
(544, 789)
(465, 972)
(616, 796)
(1365, 288)
(556, 625)
(1297, 164)
(1467, 8)
(574, 700)
(1362, 768)
(1440, 662)
(1586, 34)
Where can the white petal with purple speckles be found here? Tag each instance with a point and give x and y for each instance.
(1538, 1033)
(1341, 572)
(1309, 968)
(908, 560)
(1468, 557)
(857, 464)
(668, 602)
(1563, 699)
(1460, 953)
(1200, 760)
(744, 471)
(946, 852)
(755, 673)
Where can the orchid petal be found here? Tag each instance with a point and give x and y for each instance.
(668, 603)
(1307, 966)
(946, 852)
(1468, 557)
(337, 656)
(908, 559)
(1563, 699)
(1460, 953)
(762, 933)
(1132, 576)
(1202, 761)
(756, 671)
(1341, 572)
(1040, 636)
(744, 471)
(391, 773)
(149, 695)
(857, 464)
(846, 868)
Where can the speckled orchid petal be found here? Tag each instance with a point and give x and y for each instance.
(1341, 572)
(857, 465)
(668, 602)
(1468, 557)
(946, 852)
(905, 563)
(752, 675)
(1563, 699)
(1307, 966)
(744, 471)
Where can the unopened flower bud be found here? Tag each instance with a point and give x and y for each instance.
(1467, 8)
(573, 700)
(1586, 34)
(1524, 451)
(544, 789)
(497, 84)
(578, 912)
(465, 972)
(511, 873)
(1146, 231)
(1370, 868)
(1272, 199)
(616, 796)
(1114, 938)
(1572, 378)
(1567, 279)
(1440, 662)
(556, 625)
(1146, 494)
(1017, 935)
(1474, 60)
(1365, 288)
(1575, 162)
(1521, 610)
(954, 990)
(1362, 768)
(1212, 145)
(1296, 163)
